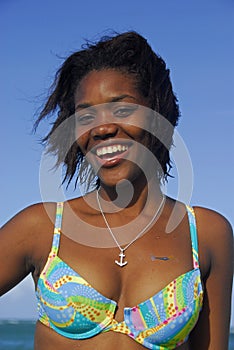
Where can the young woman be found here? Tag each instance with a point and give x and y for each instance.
(108, 272)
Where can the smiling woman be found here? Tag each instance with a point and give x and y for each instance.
(138, 286)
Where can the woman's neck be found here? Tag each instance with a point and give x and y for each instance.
(129, 198)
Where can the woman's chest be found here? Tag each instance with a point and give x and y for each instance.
(150, 264)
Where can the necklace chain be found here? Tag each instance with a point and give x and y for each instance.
(121, 255)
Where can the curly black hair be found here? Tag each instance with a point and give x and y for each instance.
(127, 52)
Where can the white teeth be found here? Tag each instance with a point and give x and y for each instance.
(111, 149)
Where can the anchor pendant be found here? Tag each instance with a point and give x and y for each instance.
(121, 263)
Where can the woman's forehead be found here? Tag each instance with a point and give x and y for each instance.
(107, 86)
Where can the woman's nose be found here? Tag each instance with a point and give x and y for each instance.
(105, 127)
(104, 131)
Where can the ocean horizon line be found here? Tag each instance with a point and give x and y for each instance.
(17, 320)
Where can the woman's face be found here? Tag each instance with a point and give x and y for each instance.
(111, 124)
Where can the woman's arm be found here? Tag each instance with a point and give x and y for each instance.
(21, 241)
(216, 245)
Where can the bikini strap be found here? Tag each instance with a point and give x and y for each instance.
(193, 234)
(57, 228)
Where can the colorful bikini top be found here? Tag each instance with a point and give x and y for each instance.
(68, 304)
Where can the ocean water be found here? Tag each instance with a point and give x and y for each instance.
(18, 335)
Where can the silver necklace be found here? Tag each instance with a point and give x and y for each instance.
(121, 261)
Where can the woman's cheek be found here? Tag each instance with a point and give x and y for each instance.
(81, 139)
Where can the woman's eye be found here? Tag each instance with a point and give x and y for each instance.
(124, 111)
(84, 119)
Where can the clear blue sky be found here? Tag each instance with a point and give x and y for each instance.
(194, 37)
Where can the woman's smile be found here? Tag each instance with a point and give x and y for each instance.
(110, 154)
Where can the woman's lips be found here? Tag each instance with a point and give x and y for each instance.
(111, 155)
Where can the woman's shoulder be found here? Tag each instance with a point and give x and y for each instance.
(31, 219)
(214, 230)
(39, 215)
(212, 221)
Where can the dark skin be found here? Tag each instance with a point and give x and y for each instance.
(32, 230)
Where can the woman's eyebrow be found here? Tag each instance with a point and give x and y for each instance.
(121, 97)
(113, 99)
(83, 105)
